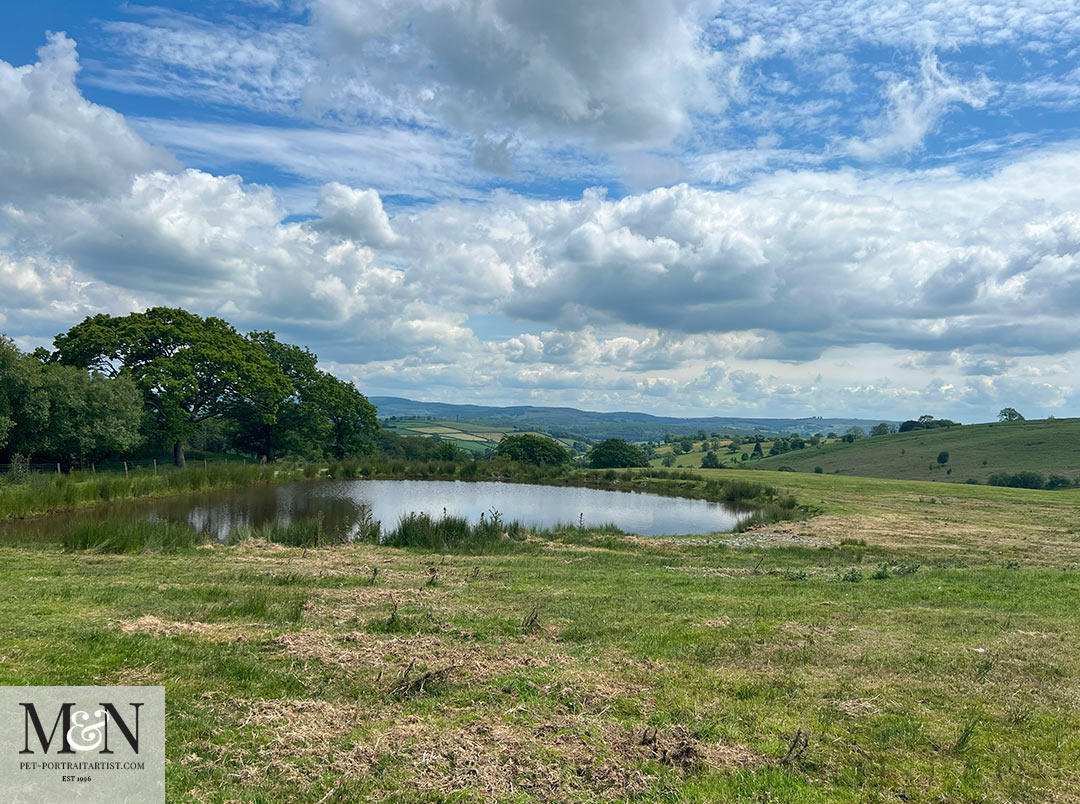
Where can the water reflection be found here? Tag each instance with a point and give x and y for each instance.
(344, 504)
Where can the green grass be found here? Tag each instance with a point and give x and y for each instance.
(924, 637)
(975, 451)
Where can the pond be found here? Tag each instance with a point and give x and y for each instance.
(342, 504)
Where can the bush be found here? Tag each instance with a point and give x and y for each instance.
(614, 453)
(1018, 480)
(818, 470)
(1058, 482)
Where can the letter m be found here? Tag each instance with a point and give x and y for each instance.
(63, 719)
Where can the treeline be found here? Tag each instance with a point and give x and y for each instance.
(158, 379)
(1030, 480)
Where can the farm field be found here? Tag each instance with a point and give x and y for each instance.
(477, 438)
(914, 641)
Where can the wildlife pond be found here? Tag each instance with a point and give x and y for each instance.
(344, 504)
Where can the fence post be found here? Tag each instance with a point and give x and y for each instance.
(125, 468)
(93, 469)
(155, 466)
(205, 466)
(58, 467)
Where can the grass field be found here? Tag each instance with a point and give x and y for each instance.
(915, 642)
(476, 438)
(975, 451)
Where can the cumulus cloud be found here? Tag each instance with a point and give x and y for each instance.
(355, 215)
(54, 141)
(614, 71)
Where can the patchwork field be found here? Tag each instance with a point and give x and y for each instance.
(478, 438)
(915, 642)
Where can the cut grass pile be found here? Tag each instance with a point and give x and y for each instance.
(912, 643)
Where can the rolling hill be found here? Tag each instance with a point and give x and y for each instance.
(975, 451)
(595, 426)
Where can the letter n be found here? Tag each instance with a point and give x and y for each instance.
(112, 714)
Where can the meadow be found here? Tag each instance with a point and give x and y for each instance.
(975, 452)
(911, 642)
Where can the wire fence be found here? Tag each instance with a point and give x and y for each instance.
(125, 467)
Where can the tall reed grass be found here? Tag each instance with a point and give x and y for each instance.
(44, 493)
(455, 534)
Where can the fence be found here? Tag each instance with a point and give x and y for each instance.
(140, 465)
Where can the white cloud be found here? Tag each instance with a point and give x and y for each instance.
(915, 108)
(53, 141)
(610, 71)
(355, 215)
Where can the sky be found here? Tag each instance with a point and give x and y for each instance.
(830, 207)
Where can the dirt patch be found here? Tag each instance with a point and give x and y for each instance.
(216, 632)
(858, 707)
(358, 650)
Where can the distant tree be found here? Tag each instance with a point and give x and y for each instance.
(668, 460)
(533, 449)
(744, 457)
(855, 432)
(943, 458)
(880, 429)
(757, 453)
(615, 453)
(831, 435)
(1009, 415)
(448, 451)
(710, 461)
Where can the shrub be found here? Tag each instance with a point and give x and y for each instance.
(818, 470)
(1019, 480)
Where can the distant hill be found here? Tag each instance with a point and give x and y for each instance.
(975, 451)
(595, 426)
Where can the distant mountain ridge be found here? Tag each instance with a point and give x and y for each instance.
(623, 424)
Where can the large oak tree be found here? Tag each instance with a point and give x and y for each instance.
(188, 368)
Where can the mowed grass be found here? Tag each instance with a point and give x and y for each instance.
(975, 451)
(899, 647)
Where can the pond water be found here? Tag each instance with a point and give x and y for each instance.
(342, 504)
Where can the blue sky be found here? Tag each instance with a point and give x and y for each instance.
(805, 208)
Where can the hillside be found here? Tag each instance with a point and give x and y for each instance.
(975, 451)
(593, 425)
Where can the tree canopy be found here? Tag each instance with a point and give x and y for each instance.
(534, 449)
(188, 368)
(1010, 415)
(614, 453)
(62, 413)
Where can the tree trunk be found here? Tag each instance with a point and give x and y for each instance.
(178, 455)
